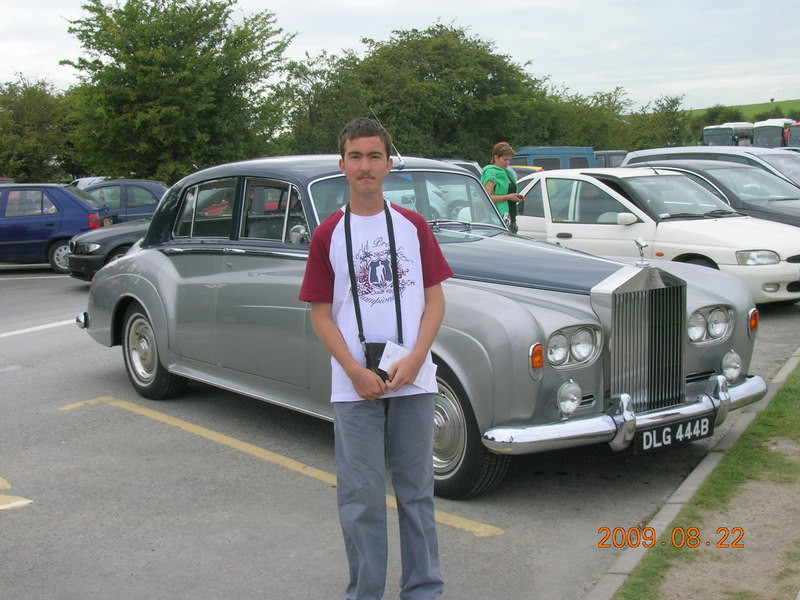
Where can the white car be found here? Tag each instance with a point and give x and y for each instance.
(633, 212)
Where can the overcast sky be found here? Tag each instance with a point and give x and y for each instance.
(709, 51)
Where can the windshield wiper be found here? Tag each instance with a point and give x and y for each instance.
(683, 215)
(721, 212)
(436, 223)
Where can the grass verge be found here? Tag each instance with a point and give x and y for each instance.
(749, 459)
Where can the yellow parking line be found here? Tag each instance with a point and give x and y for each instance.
(474, 527)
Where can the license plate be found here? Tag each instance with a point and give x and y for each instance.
(672, 434)
(106, 222)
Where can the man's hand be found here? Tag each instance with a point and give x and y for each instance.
(404, 371)
(368, 384)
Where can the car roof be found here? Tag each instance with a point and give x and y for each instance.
(9, 184)
(618, 172)
(693, 163)
(303, 169)
(737, 150)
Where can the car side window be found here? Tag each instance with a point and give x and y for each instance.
(559, 195)
(594, 205)
(28, 203)
(108, 195)
(271, 209)
(139, 196)
(207, 210)
(534, 202)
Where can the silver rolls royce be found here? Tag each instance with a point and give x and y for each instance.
(541, 347)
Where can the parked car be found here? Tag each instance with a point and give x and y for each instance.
(470, 165)
(610, 158)
(541, 347)
(128, 199)
(603, 211)
(90, 250)
(555, 157)
(749, 190)
(774, 160)
(82, 182)
(37, 221)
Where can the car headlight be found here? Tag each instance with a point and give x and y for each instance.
(569, 397)
(718, 322)
(732, 366)
(757, 257)
(557, 349)
(573, 346)
(697, 327)
(582, 344)
(85, 248)
(710, 324)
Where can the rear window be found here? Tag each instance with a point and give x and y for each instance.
(76, 191)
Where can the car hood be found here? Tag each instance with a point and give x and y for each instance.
(110, 231)
(732, 233)
(788, 208)
(514, 260)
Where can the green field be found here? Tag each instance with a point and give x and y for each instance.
(748, 110)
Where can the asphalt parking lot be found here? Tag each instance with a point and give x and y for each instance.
(215, 495)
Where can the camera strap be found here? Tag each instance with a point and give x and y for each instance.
(395, 274)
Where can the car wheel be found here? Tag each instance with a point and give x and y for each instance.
(703, 262)
(148, 376)
(116, 253)
(57, 256)
(462, 466)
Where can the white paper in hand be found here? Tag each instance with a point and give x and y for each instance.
(426, 378)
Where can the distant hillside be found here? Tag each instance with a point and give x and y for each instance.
(748, 110)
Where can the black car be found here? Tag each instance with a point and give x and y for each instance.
(749, 190)
(89, 251)
(128, 199)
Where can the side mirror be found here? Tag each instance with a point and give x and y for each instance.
(299, 235)
(626, 218)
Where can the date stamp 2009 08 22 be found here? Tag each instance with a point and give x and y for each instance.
(680, 537)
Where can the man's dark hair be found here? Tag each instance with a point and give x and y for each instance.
(364, 127)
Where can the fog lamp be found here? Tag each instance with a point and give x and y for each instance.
(732, 366)
(569, 397)
(771, 287)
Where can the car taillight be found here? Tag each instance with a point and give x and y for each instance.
(95, 221)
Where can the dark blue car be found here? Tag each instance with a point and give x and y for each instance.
(37, 221)
(128, 199)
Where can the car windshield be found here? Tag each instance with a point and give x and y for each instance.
(787, 163)
(756, 184)
(438, 196)
(86, 197)
(666, 197)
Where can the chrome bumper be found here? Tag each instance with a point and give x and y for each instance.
(618, 426)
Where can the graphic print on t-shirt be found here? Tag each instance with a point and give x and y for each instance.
(373, 264)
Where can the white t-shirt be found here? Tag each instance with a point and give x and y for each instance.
(327, 279)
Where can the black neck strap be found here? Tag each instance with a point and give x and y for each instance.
(395, 273)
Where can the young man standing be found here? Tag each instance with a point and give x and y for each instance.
(379, 419)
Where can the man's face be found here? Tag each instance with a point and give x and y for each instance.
(365, 164)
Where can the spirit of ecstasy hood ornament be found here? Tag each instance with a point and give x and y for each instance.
(641, 245)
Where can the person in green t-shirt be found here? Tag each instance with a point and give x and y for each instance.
(501, 183)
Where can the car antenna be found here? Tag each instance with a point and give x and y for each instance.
(400, 162)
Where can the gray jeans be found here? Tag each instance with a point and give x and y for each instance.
(370, 435)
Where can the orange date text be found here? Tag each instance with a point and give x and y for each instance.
(678, 537)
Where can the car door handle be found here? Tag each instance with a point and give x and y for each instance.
(564, 235)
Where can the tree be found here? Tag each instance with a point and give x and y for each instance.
(443, 92)
(32, 131)
(440, 92)
(321, 95)
(664, 123)
(168, 85)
